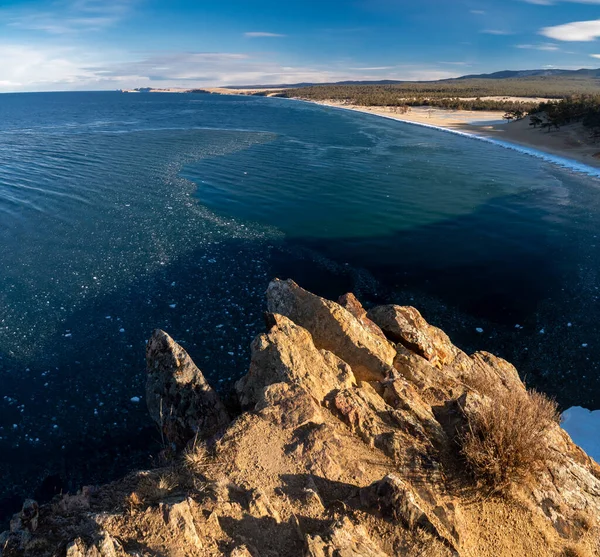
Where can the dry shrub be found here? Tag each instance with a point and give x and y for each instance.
(504, 441)
(575, 551)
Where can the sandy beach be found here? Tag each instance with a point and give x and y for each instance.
(570, 142)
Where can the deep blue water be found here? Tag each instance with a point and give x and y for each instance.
(120, 213)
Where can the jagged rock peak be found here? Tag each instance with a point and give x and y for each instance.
(179, 398)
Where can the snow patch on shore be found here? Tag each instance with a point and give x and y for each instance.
(584, 428)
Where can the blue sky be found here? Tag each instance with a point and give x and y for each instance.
(109, 44)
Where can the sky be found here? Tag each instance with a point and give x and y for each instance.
(49, 45)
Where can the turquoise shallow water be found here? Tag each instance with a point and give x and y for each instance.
(121, 213)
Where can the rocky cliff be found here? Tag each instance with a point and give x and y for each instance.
(354, 433)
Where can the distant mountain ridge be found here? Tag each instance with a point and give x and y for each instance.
(504, 74)
(511, 74)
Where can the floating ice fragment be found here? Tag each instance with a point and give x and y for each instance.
(121, 330)
(172, 306)
(173, 283)
(584, 345)
(569, 324)
(107, 317)
(135, 399)
(542, 331)
(479, 330)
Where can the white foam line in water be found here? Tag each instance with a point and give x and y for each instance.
(548, 157)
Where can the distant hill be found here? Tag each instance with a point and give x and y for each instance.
(505, 74)
(511, 74)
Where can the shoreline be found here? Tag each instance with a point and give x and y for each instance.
(488, 128)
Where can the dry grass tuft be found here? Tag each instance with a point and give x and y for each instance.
(152, 489)
(504, 442)
(196, 458)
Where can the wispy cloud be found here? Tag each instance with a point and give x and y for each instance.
(553, 2)
(259, 34)
(545, 46)
(575, 31)
(496, 32)
(372, 69)
(69, 16)
(477, 12)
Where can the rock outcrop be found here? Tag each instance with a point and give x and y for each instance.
(348, 444)
(179, 399)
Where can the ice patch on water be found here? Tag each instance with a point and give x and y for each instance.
(584, 428)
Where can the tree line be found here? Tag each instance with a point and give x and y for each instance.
(577, 108)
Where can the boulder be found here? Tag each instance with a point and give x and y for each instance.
(179, 398)
(405, 325)
(287, 354)
(333, 328)
(343, 539)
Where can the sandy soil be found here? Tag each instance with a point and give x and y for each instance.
(571, 142)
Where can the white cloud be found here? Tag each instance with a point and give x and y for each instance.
(576, 31)
(44, 68)
(477, 12)
(595, 55)
(258, 34)
(28, 68)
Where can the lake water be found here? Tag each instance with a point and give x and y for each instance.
(120, 213)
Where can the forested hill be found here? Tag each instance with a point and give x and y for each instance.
(468, 93)
(548, 83)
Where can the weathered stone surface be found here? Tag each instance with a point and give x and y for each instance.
(106, 546)
(351, 303)
(405, 433)
(287, 354)
(180, 519)
(405, 325)
(344, 539)
(259, 505)
(392, 497)
(333, 328)
(289, 405)
(179, 398)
